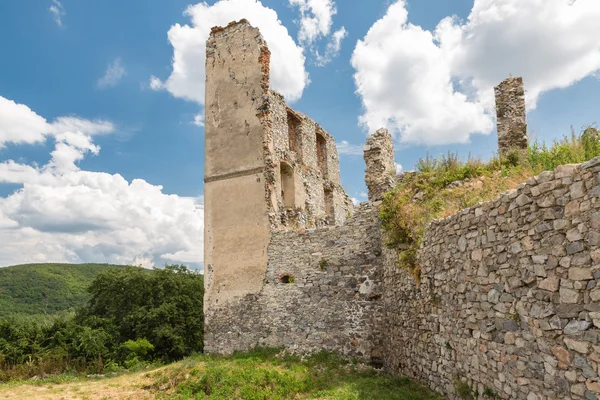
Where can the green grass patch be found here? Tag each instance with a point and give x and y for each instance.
(271, 374)
(440, 187)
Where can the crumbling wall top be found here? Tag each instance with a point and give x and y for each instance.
(511, 115)
(379, 157)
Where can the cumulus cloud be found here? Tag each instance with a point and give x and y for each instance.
(187, 80)
(437, 87)
(345, 148)
(64, 214)
(115, 71)
(57, 11)
(398, 168)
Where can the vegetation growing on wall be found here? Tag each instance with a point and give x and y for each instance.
(440, 187)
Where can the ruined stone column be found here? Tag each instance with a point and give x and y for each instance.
(379, 157)
(511, 115)
(236, 221)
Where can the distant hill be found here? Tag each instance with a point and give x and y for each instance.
(45, 289)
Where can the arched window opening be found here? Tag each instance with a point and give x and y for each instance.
(288, 189)
(322, 154)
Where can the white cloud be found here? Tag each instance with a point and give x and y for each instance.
(187, 80)
(363, 195)
(198, 120)
(155, 83)
(19, 124)
(333, 47)
(57, 11)
(437, 88)
(316, 21)
(348, 149)
(398, 168)
(65, 214)
(115, 71)
(316, 18)
(355, 201)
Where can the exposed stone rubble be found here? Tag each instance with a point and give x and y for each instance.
(379, 157)
(509, 294)
(511, 115)
(323, 290)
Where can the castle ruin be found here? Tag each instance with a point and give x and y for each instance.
(508, 301)
(511, 115)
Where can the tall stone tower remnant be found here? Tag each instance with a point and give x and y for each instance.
(267, 168)
(511, 115)
(379, 157)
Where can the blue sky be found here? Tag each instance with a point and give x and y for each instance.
(93, 63)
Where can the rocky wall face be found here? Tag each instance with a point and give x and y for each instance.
(323, 290)
(279, 129)
(333, 161)
(509, 294)
(379, 158)
(308, 143)
(511, 115)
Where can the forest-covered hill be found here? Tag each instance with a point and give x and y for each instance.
(45, 289)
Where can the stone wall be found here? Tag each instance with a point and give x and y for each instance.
(323, 290)
(511, 115)
(508, 298)
(379, 157)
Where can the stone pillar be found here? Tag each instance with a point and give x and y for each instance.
(379, 157)
(511, 115)
(236, 221)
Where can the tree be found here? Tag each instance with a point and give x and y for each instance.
(163, 306)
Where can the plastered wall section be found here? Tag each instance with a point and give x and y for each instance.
(509, 293)
(236, 221)
(334, 300)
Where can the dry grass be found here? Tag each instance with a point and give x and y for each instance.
(129, 386)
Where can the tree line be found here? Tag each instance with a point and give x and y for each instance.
(133, 317)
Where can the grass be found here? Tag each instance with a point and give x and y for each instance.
(260, 374)
(442, 186)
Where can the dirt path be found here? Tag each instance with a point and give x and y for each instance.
(130, 386)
